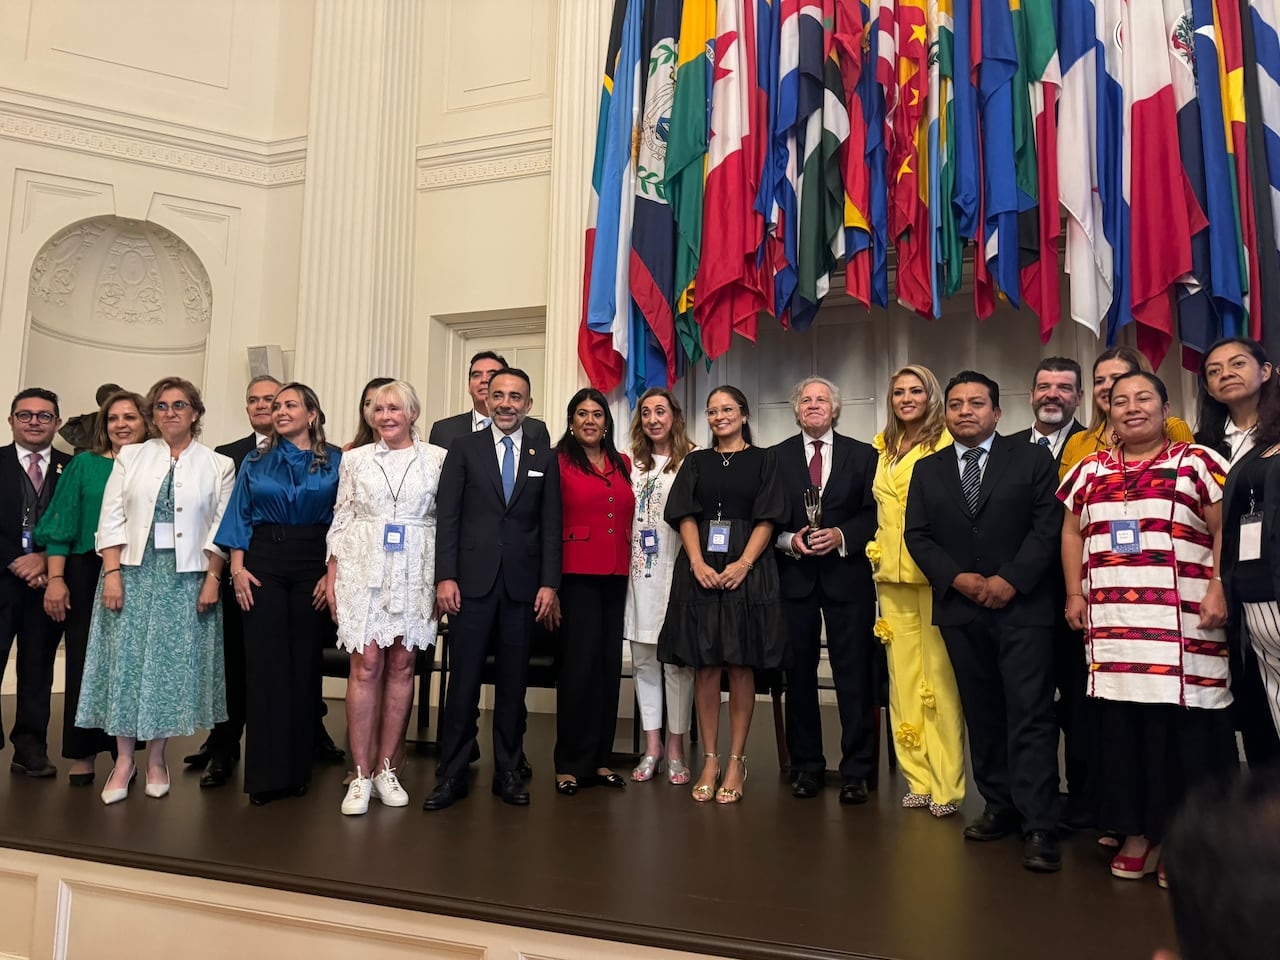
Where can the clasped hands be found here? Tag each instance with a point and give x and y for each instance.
(990, 592)
(30, 568)
(730, 578)
(821, 541)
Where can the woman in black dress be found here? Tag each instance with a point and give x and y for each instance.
(724, 612)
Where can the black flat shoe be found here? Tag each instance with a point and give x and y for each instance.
(81, 779)
(567, 788)
(611, 780)
(262, 798)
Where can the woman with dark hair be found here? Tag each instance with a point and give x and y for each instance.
(659, 444)
(1232, 374)
(365, 433)
(275, 528)
(1110, 365)
(1141, 538)
(597, 506)
(725, 611)
(66, 533)
(153, 666)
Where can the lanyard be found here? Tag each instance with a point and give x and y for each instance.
(1124, 472)
(1239, 447)
(395, 494)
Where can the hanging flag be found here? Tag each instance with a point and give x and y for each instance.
(606, 321)
(1264, 16)
(780, 169)
(939, 13)
(1112, 160)
(875, 98)
(909, 158)
(853, 41)
(995, 59)
(814, 262)
(946, 204)
(1262, 106)
(729, 295)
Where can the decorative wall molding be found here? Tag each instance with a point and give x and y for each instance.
(278, 165)
(461, 168)
(168, 350)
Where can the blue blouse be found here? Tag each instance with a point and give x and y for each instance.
(279, 487)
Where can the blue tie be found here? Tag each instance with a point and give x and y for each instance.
(484, 424)
(508, 469)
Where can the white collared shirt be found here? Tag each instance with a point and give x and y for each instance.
(517, 438)
(1239, 442)
(45, 456)
(1057, 439)
(479, 420)
(260, 438)
(984, 446)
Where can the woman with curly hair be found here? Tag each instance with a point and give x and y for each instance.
(924, 704)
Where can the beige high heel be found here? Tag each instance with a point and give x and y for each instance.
(702, 793)
(727, 794)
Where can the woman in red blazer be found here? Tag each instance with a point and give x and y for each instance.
(595, 490)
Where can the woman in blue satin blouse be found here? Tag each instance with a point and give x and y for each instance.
(275, 528)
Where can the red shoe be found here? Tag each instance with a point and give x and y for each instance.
(1135, 868)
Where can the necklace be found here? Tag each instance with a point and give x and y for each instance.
(724, 460)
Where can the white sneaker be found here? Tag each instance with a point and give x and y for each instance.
(356, 801)
(387, 787)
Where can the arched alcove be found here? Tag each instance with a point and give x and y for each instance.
(119, 300)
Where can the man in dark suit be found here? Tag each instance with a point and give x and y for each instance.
(483, 366)
(497, 571)
(221, 750)
(983, 523)
(29, 471)
(1056, 389)
(824, 575)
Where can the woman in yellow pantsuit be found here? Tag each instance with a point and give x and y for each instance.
(924, 704)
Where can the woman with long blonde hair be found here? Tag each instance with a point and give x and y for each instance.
(924, 703)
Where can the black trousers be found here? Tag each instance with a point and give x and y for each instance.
(1250, 709)
(494, 623)
(224, 738)
(282, 657)
(590, 671)
(849, 649)
(1070, 674)
(81, 575)
(22, 616)
(1005, 677)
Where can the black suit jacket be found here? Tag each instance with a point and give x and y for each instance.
(444, 432)
(479, 535)
(1025, 437)
(237, 450)
(12, 480)
(847, 504)
(1014, 532)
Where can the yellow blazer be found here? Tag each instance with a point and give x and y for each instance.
(1087, 442)
(888, 551)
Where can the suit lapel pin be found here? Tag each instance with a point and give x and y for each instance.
(531, 453)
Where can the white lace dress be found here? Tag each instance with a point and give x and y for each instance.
(383, 594)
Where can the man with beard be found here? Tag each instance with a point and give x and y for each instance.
(1056, 389)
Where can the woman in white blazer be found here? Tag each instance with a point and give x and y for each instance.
(153, 669)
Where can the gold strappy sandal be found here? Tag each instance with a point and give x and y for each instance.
(702, 793)
(728, 795)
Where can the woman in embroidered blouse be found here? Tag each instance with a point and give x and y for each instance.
(382, 585)
(66, 531)
(1146, 519)
(924, 704)
(275, 528)
(659, 442)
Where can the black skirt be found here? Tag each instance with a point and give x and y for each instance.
(709, 628)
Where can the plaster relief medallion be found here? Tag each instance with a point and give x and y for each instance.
(53, 274)
(130, 288)
(197, 292)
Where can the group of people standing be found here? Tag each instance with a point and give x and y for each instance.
(1126, 620)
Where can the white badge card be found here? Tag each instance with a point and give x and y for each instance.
(648, 542)
(27, 545)
(718, 538)
(1251, 536)
(164, 536)
(1124, 536)
(393, 537)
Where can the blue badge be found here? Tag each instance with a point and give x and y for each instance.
(393, 537)
(648, 542)
(1125, 537)
(718, 538)
(27, 545)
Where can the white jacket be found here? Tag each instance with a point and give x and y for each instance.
(202, 484)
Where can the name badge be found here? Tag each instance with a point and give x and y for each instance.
(1251, 536)
(393, 537)
(164, 536)
(648, 541)
(718, 538)
(27, 544)
(1124, 536)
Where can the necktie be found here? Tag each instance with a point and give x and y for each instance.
(484, 424)
(971, 479)
(1043, 441)
(815, 464)
(263, 444)
(508, 468)
(34, 473)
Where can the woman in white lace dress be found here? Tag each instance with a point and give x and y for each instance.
(382, 586)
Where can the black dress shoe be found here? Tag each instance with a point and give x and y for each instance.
(217, 772)
(511, 788)
(567, 788)
(326, 751)
(525, 769)
(197, 761)
(1040, 852)
(854, 793)
(263, 797)
(38, 767)
(1075, 815)
(991, 826)
(447, 792)
(806, 785)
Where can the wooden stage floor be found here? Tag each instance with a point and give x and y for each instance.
(771, 877)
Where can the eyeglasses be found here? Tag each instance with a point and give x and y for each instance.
(177, 406)
(721, 411)
(26, 416)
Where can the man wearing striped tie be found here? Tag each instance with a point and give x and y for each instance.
(983, 524)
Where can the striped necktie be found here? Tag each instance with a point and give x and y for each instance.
(971, 478)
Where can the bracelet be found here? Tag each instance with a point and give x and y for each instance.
(210, 573)
(56, 576)
(236, 573)
(749, 564)
(1219, 579)
(112, 570)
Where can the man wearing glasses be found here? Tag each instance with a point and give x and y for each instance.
(29, 471)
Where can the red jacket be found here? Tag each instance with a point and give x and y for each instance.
(596, 519)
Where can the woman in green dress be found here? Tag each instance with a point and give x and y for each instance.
(153, 669)
(66, 533)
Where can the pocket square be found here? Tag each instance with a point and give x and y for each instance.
(535, 473)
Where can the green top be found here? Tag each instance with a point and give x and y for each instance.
(70, 523)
